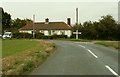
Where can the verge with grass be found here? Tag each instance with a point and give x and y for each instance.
(76, 40)
(23, 60)
(114, 44)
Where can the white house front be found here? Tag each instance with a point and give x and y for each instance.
(48, 28)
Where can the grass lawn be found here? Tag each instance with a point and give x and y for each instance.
(11, 47)
(21, 56)
(114, 44)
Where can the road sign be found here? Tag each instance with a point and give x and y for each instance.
(77, 33)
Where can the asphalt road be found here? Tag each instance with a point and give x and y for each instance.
(78, 58)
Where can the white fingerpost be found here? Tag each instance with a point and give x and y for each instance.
(77, 33)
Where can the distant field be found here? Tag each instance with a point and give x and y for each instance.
(114, 44)
(11, 47)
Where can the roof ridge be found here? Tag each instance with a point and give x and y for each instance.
(51, 22)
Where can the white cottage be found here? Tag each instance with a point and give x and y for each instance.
(48, 28)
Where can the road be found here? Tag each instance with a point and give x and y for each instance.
(79, 58)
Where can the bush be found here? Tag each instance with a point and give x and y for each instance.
(42, 36)
(22, 35)
(37, 36)
(58, 36)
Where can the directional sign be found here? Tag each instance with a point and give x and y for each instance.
(77, 33)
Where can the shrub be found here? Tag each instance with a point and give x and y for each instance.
(58, 36)
(39, 36)
(22, 35)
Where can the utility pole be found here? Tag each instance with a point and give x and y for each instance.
(33, 26)
(77, 16)
(77, 23)
(77, 32)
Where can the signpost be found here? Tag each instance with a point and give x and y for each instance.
(77, 33)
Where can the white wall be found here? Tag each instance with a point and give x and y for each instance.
(26, 31)
(68, 33)
(58, 32)
(46, 32)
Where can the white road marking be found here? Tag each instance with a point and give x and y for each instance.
(92, 53)
(111, 70)
(81, 46)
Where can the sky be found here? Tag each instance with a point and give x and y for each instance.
(60, 11)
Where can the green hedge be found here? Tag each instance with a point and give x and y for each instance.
(22, 35)
(37, 36)
(58, 36)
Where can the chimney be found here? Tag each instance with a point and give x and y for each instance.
(69, 21)
(46, 21)
(28, 22)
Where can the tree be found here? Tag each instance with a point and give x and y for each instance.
(117, 34)
(76, 27)
(107, 27)
(18, 23)
(6, 21)
(1, 20)
(11, 25)
(88, 31)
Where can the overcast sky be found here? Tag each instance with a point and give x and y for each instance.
(60, 11)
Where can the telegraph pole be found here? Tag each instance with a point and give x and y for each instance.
(77, 22)
(33, 26)
(77, 16)
(77, 32)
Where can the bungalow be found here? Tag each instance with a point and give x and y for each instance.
(48, 28)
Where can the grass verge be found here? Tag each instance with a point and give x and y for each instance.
(114, 44)
(26, 60)
(16, 46)
(76, 40)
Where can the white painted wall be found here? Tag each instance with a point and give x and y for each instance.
(59, 32)
(46, 32)
(26, 31)
(68, 33)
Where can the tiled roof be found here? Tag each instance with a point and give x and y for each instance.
(49, 26)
